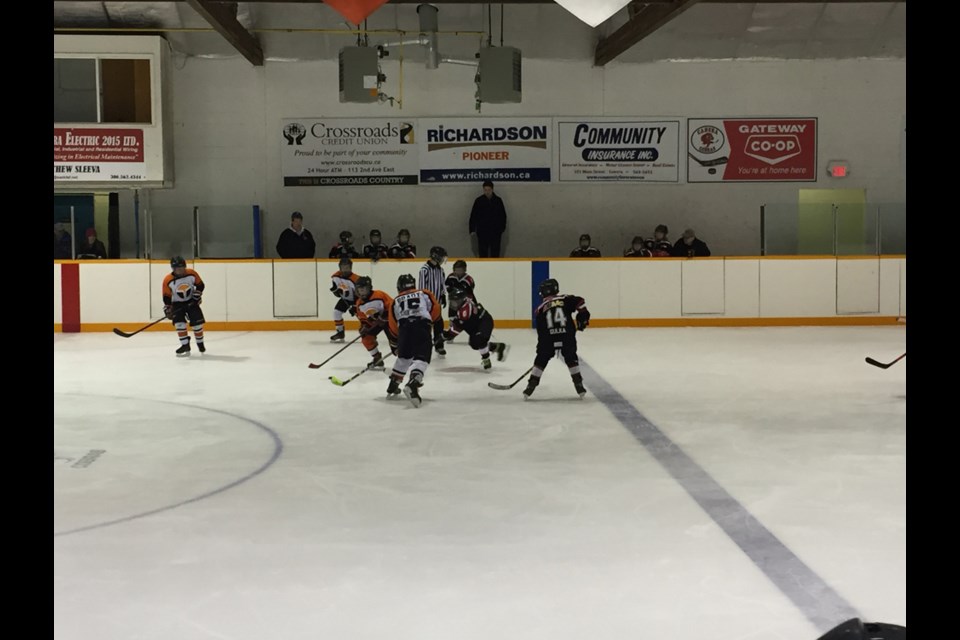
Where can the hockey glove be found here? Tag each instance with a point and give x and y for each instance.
(197, 294)
(336, 291)
(449, 335)
(582, 323)
(353, 311)
(168, 311)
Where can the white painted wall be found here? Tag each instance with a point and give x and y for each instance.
(227, 118)
(614, 289)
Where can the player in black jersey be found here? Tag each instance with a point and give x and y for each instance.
(471, 318)
(557, 333)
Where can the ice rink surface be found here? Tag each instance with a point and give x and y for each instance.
(721, 483)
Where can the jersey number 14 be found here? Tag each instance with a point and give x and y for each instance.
(556, 320)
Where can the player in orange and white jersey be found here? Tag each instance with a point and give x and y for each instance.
(344, 287)
(373, 310)
(182, 290)
(412, 315)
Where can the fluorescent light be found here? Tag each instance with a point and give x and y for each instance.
(593, 12)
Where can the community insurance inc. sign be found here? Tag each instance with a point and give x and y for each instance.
(344, 152)
(471, 150)
(619, 150)
(752, 150)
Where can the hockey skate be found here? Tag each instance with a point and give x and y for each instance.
(440, 350)
(201, 346)
(411, 390)
(486, 363)
(531, 387)
(578, 385)
(502, 350)
(338, 336)
(184, 351)
(393, 389)
(376, 364)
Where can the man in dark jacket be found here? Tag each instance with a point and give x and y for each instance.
(488, 220)
(92, 248)
(690, 246)
(296, 242)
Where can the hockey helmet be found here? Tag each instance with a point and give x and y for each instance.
(364, 287)
(177, 261)
(549, 287)
(438, 254)
(346, 237)
(457, 296)
(406, 282)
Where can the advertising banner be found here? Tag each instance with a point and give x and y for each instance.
(98, 155)
(618, 150)
(471, 150)
(752, 149)
(336, 152)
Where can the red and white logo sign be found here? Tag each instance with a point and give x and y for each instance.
(758, 149)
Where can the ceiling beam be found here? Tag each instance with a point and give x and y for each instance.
(643, 21)
(223, 18)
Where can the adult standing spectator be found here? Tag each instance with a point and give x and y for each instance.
(690, 246)
(488, 220)
(296, 242)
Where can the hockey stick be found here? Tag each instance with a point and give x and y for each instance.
(886, 365)
(505, 387)
(317, 366)
(342, 383)
(124, 334)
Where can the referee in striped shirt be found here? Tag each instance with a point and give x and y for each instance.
(432, 279)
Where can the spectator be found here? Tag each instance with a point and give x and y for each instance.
(402, 247)
(637, 249)
(585, 250)
(93, 248)
(376, 249)
(296, 242)
(488, 220)
(62, 243)
(659, 245)
(690, 246)
(344, 248)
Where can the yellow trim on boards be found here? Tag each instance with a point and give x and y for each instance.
(327, 325)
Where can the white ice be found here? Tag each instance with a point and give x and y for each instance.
(478, 516)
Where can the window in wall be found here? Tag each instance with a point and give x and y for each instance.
(105, 90)
(75, 90)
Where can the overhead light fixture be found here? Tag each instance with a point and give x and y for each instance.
(593, 12)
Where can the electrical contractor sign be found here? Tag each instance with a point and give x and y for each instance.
(471, 150)
(99, 155)
(619, 150)
(336, 152)
(754, 149)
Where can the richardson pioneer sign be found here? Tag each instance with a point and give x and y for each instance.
(752, 149)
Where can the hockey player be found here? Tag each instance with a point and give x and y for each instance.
(460, 278)
(373, 309)
(432, 280)
(557, 333)
(345, 248)
(182, 290)
(585, 249)
(637, 249)
(344, 287)
(659, 246)
(402, 247)
(412, 315)
(471, 318)
(376, 250)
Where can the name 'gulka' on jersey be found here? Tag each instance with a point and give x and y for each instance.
(182, 290)
(412, 316)
(557, 334)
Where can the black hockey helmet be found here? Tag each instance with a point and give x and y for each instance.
(375, 233)
(460, 264)
(364, 287)
(177, 261)
(345, 236)
(438, 254)
(403, 232)
(457, 296)
(406, 282)
(549, 287)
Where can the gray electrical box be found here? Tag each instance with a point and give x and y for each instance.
(359, 69)
(499, 74)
